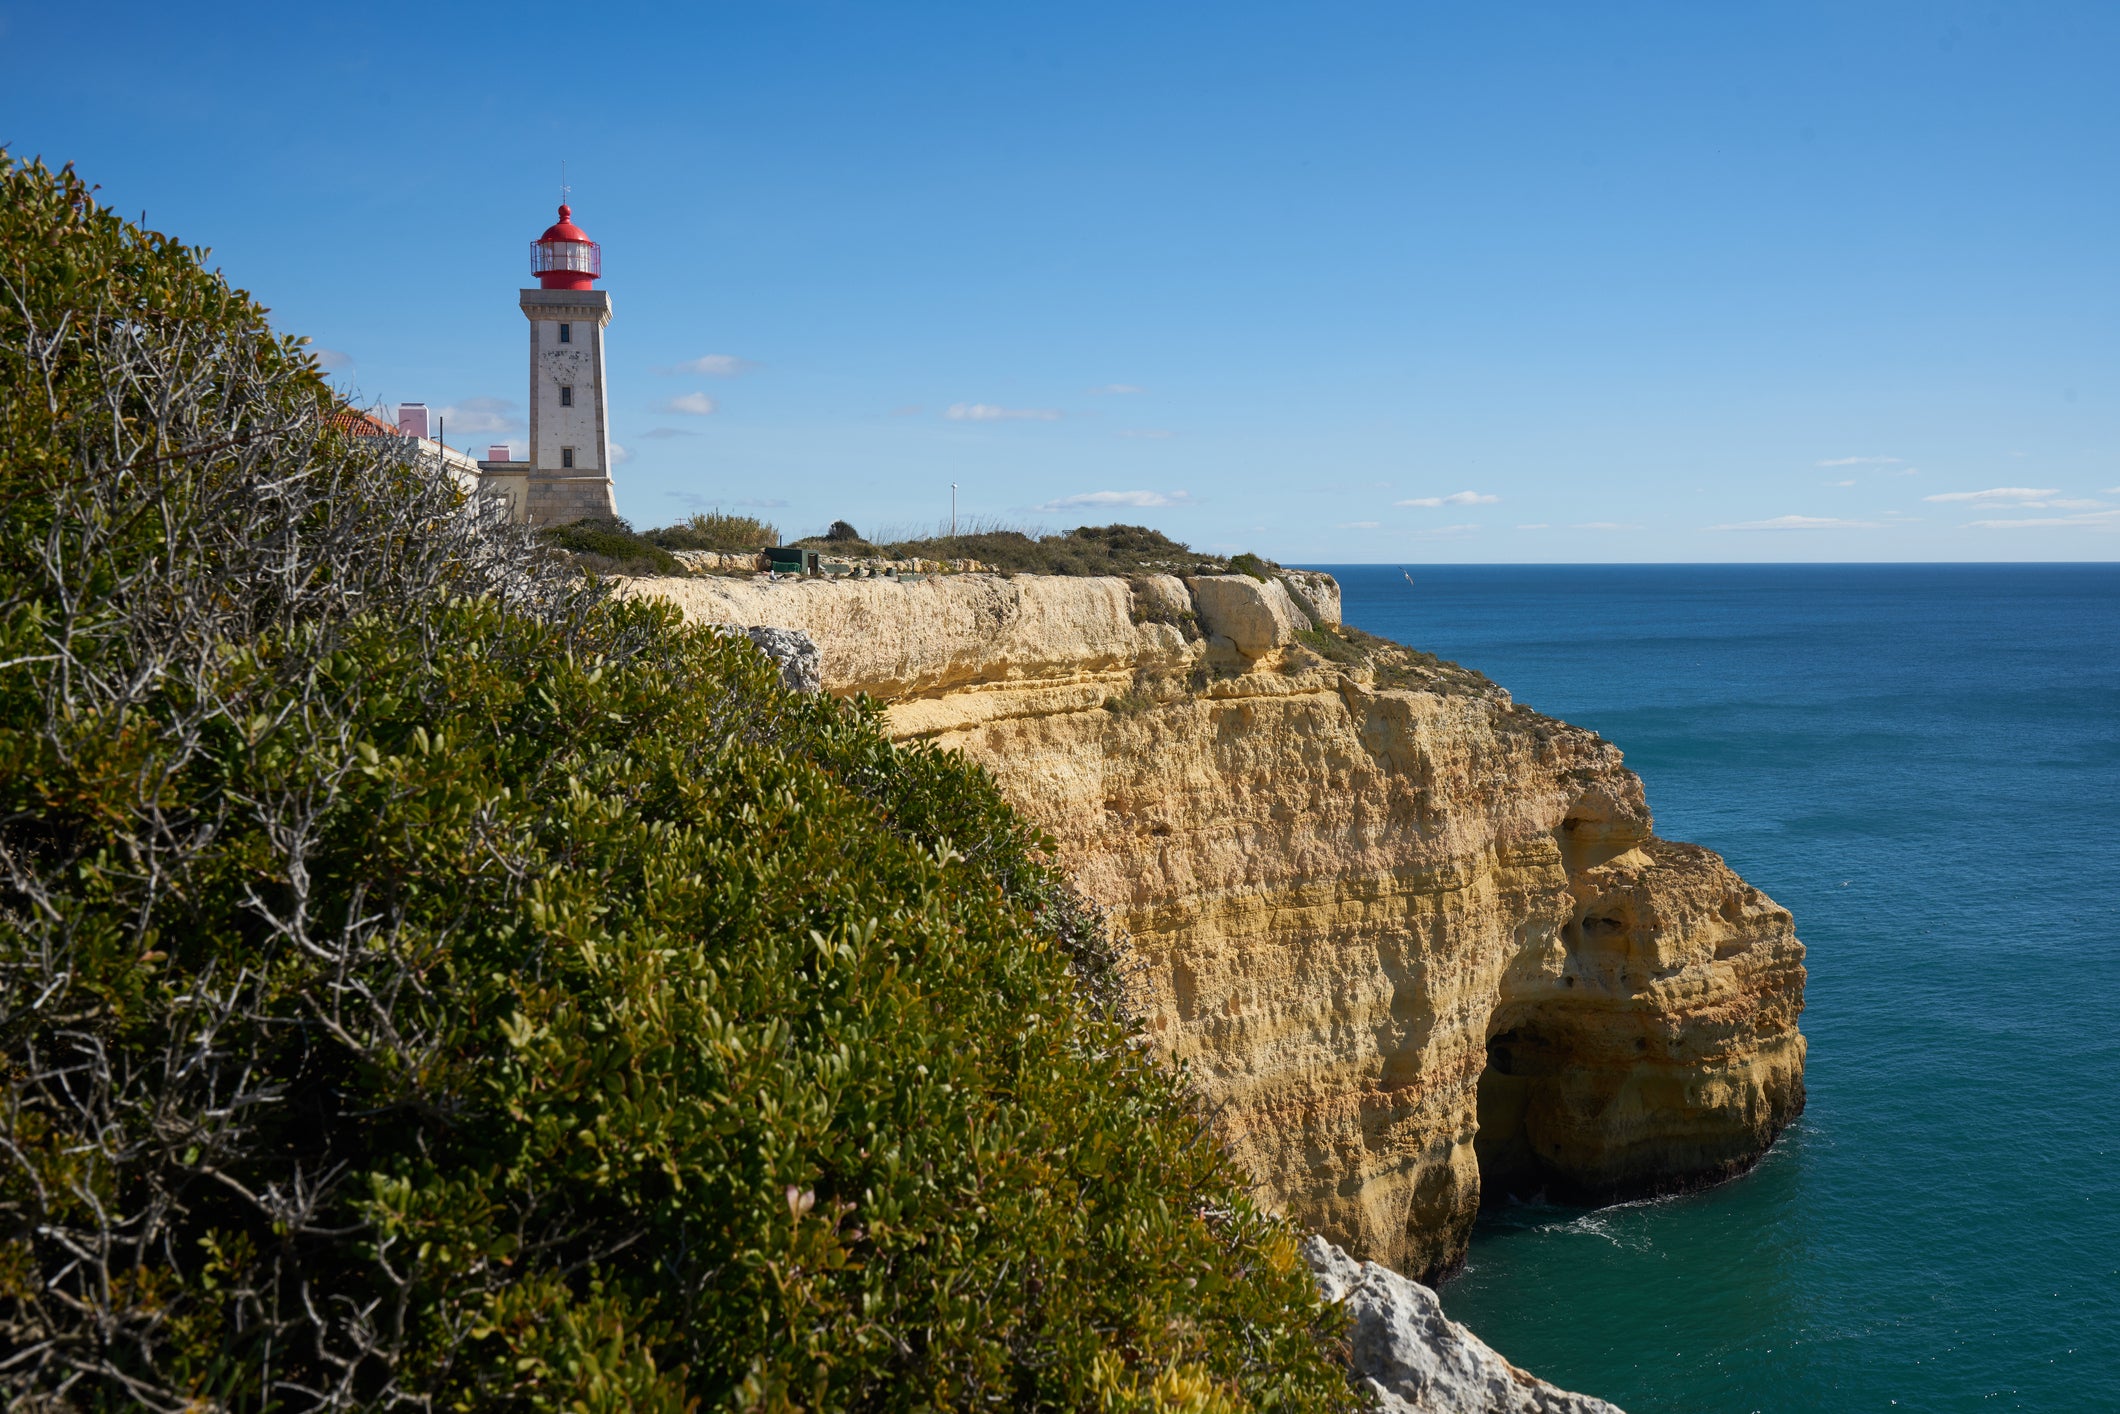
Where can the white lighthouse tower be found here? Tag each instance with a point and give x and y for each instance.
(570, 442)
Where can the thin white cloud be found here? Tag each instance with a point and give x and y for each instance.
(711, 366)
(1455, 498)
(659, 434)
(1606, 525)
(1359, 525)
(1997, 495)
(1802, 523)
(2089, 520)
(1841, 483)
(715, 503)
(1117, 389)
(1860, 461)
(333, 360)
(690, 404)
(987, 412)
(1536, 525)
(1140, 500)
(1155, 434)
(481, 415)
(619, 455)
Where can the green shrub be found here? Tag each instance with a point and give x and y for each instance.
(1134, 703)
(426, 982)
(715, 530)
(1250, 564)
(1332, 647)
(1394, 665)
(1085, 550)
(611, 546)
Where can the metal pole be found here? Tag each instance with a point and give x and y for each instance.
(953, 510)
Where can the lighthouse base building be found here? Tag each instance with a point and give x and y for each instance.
(567, 476)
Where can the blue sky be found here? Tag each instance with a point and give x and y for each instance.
(1396, 282)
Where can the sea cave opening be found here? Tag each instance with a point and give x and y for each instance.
(1519, 1059)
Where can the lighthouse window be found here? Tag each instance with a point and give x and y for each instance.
(566, 333)
(566, 396)
(566, 457)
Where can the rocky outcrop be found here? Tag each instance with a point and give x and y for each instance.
(1254, 616)
(1417, 943)
(794, 652)
(1411, 1359)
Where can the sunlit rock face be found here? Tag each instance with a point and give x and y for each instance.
(1417, 943)
(1410, 1358)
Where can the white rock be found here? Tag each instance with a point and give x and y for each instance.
(796, 653)
(945, 634)
(724, 561)
(1162, 596)
(1415, 1360)
(1319, 595)
(1257, 616)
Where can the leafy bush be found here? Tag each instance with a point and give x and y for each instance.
(1250, 564)
(1086, 550)
(1332, 647)
(427, 983)
(715, 530)
(611, 546)
(840, 533)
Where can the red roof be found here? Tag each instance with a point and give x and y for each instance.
(355, 423)
(566, 230)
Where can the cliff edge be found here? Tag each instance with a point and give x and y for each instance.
(1410, 1358)
(1418, 943)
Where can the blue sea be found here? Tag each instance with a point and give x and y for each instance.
(1923, 764)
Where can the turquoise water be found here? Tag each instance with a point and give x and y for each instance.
(1923, 764)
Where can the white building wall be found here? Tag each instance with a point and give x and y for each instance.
(578, 364)
(557, 492)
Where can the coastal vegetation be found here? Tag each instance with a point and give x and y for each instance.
(716, 530)
(1085, 550)
(427, 982)
(611, 545)
(1394, 665)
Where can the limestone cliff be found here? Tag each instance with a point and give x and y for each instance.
(1416, 942)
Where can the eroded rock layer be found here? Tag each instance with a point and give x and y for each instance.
(1404, 930)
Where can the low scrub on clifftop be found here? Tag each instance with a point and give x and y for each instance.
(1085, 550)
(426, 983)
(717, 530)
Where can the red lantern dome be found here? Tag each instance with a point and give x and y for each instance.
(564, 258)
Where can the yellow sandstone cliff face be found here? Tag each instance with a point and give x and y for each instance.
(1413, 939)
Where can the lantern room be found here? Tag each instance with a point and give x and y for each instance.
(564, 258)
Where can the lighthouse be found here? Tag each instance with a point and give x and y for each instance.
(570, 442)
